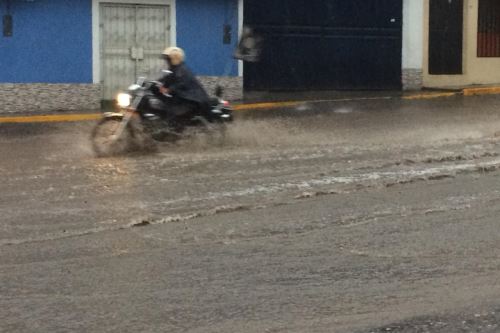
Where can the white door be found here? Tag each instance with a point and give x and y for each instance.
(132, 38)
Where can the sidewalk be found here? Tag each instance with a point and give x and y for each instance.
(426, 93)
(278, 100)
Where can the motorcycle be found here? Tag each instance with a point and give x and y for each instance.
(140, 121)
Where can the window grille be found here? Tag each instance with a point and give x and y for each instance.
(488, 39)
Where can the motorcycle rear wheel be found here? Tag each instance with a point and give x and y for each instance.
(206, 133)
(217, 133)
(104, 142)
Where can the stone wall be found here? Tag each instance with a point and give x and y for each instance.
(413, 79)
(233, 86)
(40, 97)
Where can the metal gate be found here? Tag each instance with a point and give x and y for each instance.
(318, 44)
(131, 40)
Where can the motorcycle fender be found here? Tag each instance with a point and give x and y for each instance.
(227, 114)
(115, 115)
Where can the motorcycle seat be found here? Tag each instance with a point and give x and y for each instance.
(214, 101)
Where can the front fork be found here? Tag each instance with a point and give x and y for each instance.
(128, 114)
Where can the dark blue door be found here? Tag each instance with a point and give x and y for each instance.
(326, 44)
(446, 36)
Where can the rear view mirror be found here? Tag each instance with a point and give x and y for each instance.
(134, 87)
(140, 81)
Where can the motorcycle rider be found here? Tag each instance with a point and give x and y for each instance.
(187, 94)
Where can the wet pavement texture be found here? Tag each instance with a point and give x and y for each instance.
(362, 216)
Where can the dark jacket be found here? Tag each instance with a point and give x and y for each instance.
(184, 85)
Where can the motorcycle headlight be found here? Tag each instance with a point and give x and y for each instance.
(123, 100)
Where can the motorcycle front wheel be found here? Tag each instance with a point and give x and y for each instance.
(109, 138)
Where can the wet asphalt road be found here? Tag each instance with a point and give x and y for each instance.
(367, 216)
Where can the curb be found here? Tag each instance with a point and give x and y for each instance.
(477, 91)
(431, 95)
(481, 91)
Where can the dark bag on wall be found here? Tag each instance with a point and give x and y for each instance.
(250, 46)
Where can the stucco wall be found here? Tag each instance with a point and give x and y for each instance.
(413, 31)
(476, 70)
(200, 32)
(51, 42)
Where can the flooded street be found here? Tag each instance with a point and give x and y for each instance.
(326, 217)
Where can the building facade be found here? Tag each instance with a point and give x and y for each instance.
(71, 54)
(461, 43)
(376, 44)
(327, 45)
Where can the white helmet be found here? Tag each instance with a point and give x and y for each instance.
(174, 55)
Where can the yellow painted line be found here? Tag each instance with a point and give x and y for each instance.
(95, 116)
(260, 106)
(430, 96)
(51, 118)
(277, 105)
(481, 91)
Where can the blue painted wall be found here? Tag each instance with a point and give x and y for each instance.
(52, 42)
(200, 32)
